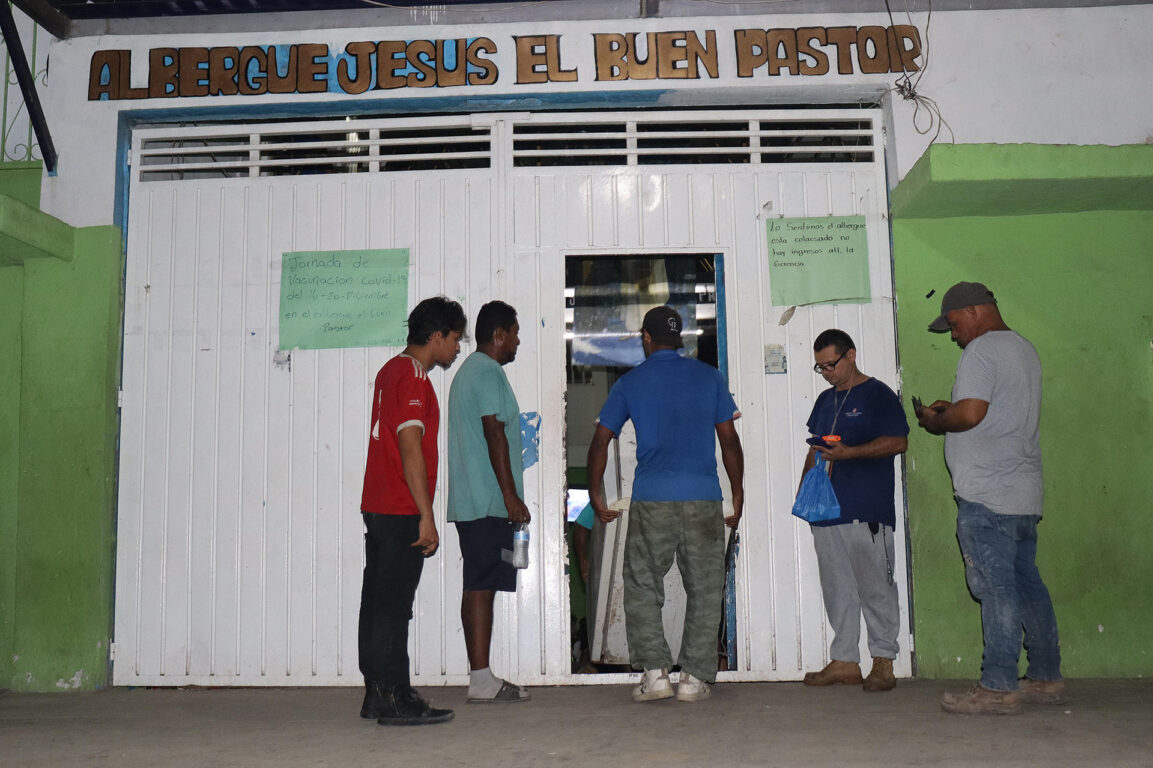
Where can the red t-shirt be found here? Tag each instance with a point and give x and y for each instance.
(403, 397)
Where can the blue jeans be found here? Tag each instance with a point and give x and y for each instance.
(1000, 553)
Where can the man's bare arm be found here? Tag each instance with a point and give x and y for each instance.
(416, 477)
(502, 468)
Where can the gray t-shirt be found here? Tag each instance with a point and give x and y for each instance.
(998, 462)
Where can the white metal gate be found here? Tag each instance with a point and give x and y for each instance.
(239, 543)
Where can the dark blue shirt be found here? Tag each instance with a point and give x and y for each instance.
(864, 487)
(675, 404)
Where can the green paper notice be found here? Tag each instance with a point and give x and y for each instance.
(818, 260)
(340, 299)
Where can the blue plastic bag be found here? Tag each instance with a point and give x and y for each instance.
(816, 501)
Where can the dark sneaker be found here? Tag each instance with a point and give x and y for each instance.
(881, 676)
(403, 705)
(844, 672)
(982, 701)
(1043, 691)
(370, 708)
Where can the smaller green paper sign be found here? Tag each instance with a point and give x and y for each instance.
(335, 299)
(818, 260)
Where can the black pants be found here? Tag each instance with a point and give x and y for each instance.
(391, 574)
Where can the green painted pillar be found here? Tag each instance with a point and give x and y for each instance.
(11, 306)
(66, 501)
(20, 182)
(1063, 235)
(60, 310)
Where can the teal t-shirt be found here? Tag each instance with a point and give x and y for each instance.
(480, 388)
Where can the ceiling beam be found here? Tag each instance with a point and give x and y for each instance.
(45, 14)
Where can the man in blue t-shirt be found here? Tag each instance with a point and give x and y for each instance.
(676, 405)
(855, 552)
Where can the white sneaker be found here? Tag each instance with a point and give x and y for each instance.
(692, 688)
(654, 685)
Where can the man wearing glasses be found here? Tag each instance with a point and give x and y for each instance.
(993, 450)
(858, 425)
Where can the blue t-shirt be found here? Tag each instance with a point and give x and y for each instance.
(675, 404)
(864, 487)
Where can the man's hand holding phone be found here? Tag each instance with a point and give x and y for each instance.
(925, 413)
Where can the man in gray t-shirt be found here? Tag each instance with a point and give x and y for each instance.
(998, 462)
(993, 451)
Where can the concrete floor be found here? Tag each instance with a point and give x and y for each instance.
(1105, 723)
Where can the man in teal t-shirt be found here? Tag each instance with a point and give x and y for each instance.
(486, 488)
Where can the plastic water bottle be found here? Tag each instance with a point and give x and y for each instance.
(520, 545)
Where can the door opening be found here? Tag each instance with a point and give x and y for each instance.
(606, 298)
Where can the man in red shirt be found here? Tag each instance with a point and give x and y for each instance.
(400, 531)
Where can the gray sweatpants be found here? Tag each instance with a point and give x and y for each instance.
(856, 578)
(694, 531)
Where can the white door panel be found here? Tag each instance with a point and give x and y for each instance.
(240, 544)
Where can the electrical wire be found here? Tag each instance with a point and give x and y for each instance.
(906, 86)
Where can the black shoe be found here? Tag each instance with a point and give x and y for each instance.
(371, 708)
(403, 705)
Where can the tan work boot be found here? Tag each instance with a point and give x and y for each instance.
(1043, 691)
(982, 701)
(881, 676)
(846, 672)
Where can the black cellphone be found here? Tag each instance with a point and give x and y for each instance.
(917, 404)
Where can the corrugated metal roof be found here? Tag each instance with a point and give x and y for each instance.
(57, 16)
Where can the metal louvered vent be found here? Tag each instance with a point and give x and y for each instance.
(694, 140)
(543, 139)
(326, 149)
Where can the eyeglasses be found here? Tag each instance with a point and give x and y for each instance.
(826, 367)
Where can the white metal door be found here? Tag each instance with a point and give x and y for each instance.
(239, 543)
(684, 203)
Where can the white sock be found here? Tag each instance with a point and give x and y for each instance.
(482, 684)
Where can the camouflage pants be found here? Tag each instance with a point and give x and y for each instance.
(693, 531)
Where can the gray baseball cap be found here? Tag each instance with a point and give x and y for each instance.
(960, 296)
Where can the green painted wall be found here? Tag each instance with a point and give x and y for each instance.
(1078, 285)
(20, 181)
(59, 342)
(11, 305)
